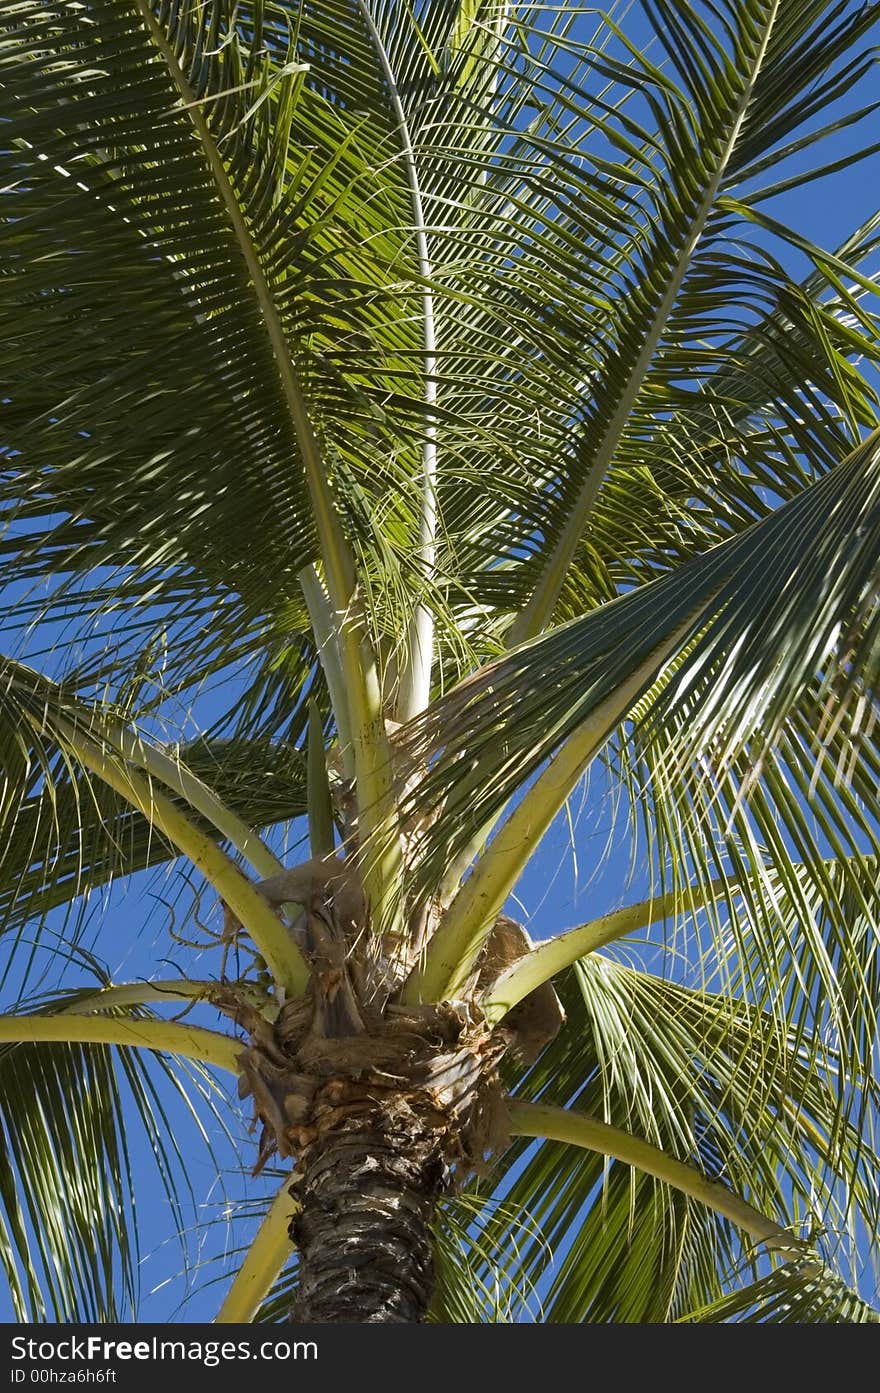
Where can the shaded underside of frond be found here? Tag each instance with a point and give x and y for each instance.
(569, 189)
(713, 1083)
(72, 1117)
(769, 625)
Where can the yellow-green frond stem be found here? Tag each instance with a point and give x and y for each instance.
(335, 551)
(471, 914)
(550, 957)
(177, 777)
(548, 1123)
(555, 954)
(275, 943)
(168, 989)
(539, 610)
(188, 1041)
(321, 833)
(327, 641)
(381, 870)
(262, 1263)
(381, 864)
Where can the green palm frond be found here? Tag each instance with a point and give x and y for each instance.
(801, 942)
(707, 1079)
(108, 177)
(789, 1296)
(342, 275)
(651, 325)
(146, 142)
(88, 836)
(745, 641)
(50, 734)
(68, 1196)
(798, 942)
(608, 1245)
(788, 1091)
(473, 1282)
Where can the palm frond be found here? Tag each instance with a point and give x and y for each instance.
(68, 1193)
(789, 1296)
(751, 638)
(315, 151)
(51, 733)
(601, 254)
(472, 1283)
(345, 347)
(806, 954)
(106, 177)
(709, 1080)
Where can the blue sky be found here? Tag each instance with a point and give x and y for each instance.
(575, 875)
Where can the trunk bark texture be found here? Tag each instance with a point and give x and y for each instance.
(383, 1106)
(381, 1124)
(368, 1195)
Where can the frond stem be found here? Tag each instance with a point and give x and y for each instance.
(544, 1122)
(451, 953)
(275, 943)
(539, 608)
(551, 956)
(417, 661)
(381, 873)
(189, 1041)
(262, 1262)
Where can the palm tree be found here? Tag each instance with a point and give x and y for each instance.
(445, 376)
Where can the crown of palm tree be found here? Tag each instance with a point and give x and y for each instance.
(438, 376)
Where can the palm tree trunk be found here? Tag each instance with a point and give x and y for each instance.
(381, 1113)
(368, 1194)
